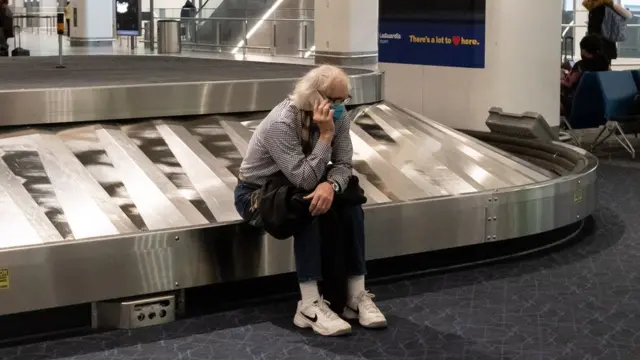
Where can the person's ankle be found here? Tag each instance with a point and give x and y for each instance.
(355, 286)
(309, 292)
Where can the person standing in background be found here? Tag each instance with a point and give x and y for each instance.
(597, 10)
(6, 27)
(187, 14)
(67, 17)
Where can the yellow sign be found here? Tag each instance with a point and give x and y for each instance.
(4, 279)
(578, 196)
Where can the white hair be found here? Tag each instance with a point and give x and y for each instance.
(319, 80)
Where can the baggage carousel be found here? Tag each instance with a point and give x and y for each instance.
(117, 177)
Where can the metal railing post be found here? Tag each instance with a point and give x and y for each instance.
(305, 42)
(218, 36)
(245, 24)
(275, 41)
(60, 28)
(152, 26)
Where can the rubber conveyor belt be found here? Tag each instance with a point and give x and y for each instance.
(89, 181)
(92, 71)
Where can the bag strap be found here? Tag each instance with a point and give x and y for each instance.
(306, 132)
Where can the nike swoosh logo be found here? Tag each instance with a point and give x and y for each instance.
(312, 319)
(354, 310)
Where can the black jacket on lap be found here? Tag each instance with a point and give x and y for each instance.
(284, 210)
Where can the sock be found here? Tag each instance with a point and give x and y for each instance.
(309, 291)
(356, 285)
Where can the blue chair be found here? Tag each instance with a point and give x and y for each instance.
(587, 109)
(636, 77)
(618, 89)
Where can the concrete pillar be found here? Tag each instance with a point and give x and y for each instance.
(521, 69)
(95, 23)
(346, 32)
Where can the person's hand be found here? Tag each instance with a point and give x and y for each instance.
(323, 117)
(321, 199)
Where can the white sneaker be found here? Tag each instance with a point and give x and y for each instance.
(320, 318)
(363, 308)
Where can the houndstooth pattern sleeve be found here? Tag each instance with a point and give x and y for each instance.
(342, 155)
(284, 146)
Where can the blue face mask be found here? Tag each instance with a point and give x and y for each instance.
(338, 111)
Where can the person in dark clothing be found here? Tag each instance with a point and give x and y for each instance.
(188, 24)
(299, 138)
(597, 10)
(6, 27)
(187, 9)
(593, 59)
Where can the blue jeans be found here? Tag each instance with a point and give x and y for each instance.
(307, 242)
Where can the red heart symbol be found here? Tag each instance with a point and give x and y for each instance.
(456, 40)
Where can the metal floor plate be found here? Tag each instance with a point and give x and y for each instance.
(103, 180)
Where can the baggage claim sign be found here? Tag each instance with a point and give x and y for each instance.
(432, 32)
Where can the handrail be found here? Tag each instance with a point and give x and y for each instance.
(201, 8)
(199, 20)
(563, 33)
(234, 19)
(585, 25)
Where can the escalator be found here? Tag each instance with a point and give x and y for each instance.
(269, 26)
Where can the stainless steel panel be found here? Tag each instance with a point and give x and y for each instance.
(107, 103)
(439, 175)
(402, 218)
(529, 170)
(239, 135)
(368, 150)
(373, 194)
(157, 199)
(209, 176)
(569, 200)
(22, 220)
(77, 192)
(160, 174)
(204, 255)
(467, 163)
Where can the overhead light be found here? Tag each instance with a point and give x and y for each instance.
(257, 25)
(310, 51)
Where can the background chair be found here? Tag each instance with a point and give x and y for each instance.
(587, 109)
(618, 91)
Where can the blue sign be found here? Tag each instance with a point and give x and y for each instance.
(436, 43)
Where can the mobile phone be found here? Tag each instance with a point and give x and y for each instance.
(314, 98)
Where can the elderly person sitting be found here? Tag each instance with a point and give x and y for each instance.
(299, 138)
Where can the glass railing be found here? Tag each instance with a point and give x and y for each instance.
(35, 19)
(42, 10)
(276, 32)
